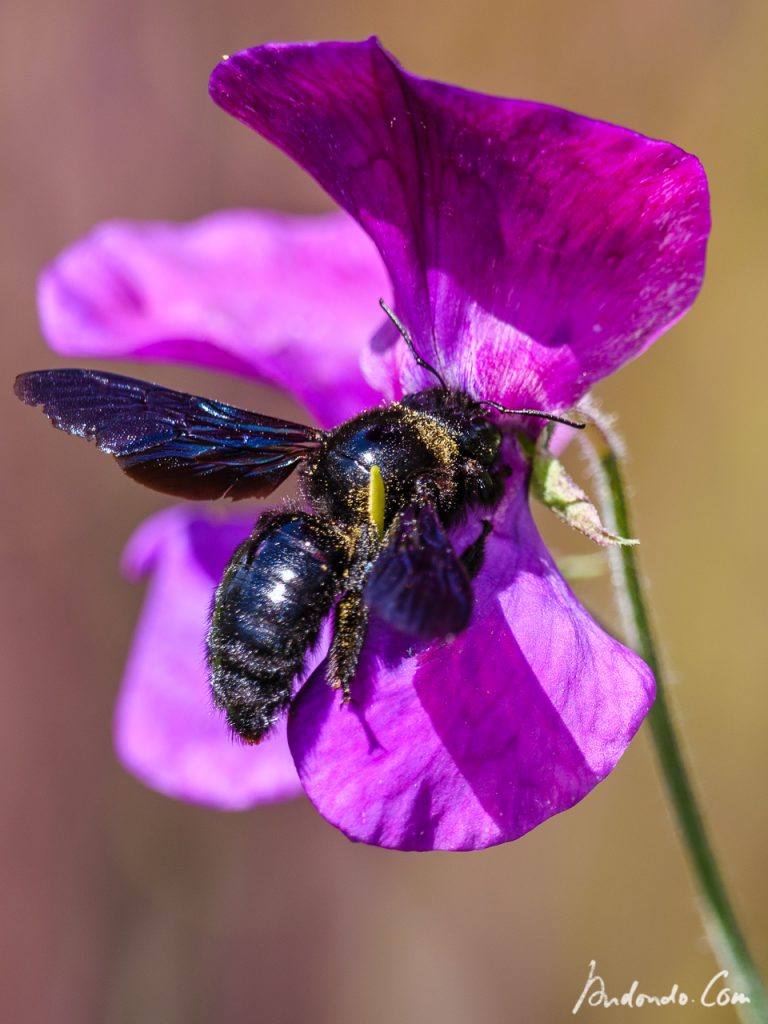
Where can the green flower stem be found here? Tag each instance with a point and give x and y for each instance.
(723, 930)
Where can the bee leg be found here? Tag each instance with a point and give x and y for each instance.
(473, 555)
(349, 627)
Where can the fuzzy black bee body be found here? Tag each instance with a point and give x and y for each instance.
(381, 493)
(434, 457)
(267, 612)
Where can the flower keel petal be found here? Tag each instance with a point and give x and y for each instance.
(477, 741)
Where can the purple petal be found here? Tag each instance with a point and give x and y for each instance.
(167, 731)
(288, 300)
(477, 741)
(532, 250)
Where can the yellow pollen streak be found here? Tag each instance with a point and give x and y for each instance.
(376, 499)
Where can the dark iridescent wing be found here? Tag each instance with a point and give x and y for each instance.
(180, 444)
(418, 583)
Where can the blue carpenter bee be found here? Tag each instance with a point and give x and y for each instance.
(382, 492)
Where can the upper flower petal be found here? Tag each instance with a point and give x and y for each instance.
(287, 300)
(532, 250)
(167, 731)
(475, 742)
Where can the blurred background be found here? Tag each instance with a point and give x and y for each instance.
(120, 905)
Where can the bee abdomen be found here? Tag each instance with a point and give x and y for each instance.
(266, 617)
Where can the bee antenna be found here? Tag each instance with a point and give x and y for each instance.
(409, 342)
(576, 424)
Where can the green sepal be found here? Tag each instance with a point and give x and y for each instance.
(560, 493)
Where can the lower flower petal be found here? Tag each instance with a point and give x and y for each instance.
(471, 743)
(288, 300)
(167, 731)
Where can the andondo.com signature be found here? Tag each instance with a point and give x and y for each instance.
(716, 993)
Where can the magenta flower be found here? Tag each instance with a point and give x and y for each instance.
(531, 252)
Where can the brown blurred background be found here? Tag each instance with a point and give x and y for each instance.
(122, 906)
